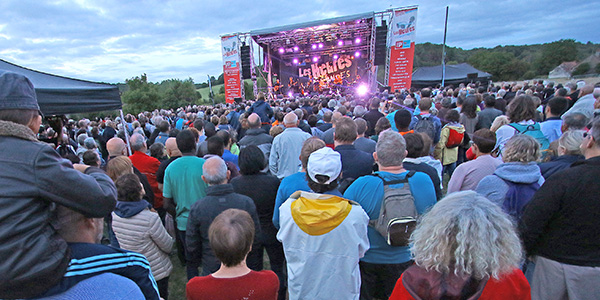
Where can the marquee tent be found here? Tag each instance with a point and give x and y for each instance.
(455, 74)
(59, 95)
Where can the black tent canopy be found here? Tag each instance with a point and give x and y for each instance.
(59, 95)
(455, 74)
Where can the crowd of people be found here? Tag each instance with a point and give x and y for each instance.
(460, 192)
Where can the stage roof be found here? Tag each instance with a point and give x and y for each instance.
(455, 74)
(280, 29)
(58, 95)
(326, 33)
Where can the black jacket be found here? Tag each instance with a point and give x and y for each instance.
(561, 221)
(34, 179)
(262, 188)
(559, 163)
(218, 199)
(255, 136)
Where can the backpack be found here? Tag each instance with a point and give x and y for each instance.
(518, 195)
(398, 214)
(534, 131)
(425, 124)
(455, 138)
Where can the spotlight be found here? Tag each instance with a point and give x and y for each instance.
(295, 61)
(296, 48)
(281, 50)
(314, 46)
(290, 94)
(357, 40)
(362, 90)
(340, 43)
(357, 54)
(335, 56)
(316, 59)
(320, 45)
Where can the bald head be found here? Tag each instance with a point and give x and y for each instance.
(171, 147)
(215, 171)
(290, 120)
(254, 120)
(115, 147)
(586, 90)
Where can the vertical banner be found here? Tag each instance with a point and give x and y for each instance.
(402, 48)
(231, 67)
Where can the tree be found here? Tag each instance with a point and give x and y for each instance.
(597, 68)
(178, 93)
(582, 68)
(141, 96)
(502, 65)
(555, 53)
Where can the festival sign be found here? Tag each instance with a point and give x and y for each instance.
(402, 48)
(231, 67)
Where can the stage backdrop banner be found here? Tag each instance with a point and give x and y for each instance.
(402, 48)
(231, 67)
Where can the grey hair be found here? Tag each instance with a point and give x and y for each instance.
(214, 170)
(521, 148)
(390, 148)
(290, 118)
(467, 234)
(90, 143)
(81, 138)
(575, 121)
(571, 140)
(137, 142)
(299, 113)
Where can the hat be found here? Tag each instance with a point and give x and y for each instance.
(17, 92)
(326, 162)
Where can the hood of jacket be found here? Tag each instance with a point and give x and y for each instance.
(318, 214)
(519, 172)
(433, 285)
(129, 209)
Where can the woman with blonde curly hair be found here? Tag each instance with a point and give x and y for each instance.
(464, 248)
(516, 180)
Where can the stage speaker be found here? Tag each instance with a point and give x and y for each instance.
(245, 54)
(380, 44)
(275, 62)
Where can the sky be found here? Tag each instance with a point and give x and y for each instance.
(114, 40)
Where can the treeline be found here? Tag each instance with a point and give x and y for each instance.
(140, 95)
(511, 62)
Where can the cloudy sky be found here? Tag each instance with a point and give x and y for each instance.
(112, 40)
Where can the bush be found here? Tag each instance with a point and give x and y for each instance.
(597, 68)
(582, 68)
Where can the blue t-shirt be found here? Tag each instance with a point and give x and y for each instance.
(289, 185)
(368, 192)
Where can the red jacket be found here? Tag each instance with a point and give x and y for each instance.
(148, 166)
(427, 285)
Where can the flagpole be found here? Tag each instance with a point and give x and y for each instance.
(444, 49)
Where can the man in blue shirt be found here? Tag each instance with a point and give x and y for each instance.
(285, 152)
(296, 182)
(383, 264)
(551, 128)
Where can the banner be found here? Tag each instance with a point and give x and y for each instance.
(326, 74)
(402, 48)
(231, 67)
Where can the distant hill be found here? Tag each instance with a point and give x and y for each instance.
(508, 62)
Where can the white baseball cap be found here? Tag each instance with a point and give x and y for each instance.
(326, 162)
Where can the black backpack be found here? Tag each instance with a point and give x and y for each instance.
(425, 124)
(398, 214)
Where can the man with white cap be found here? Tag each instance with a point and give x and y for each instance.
(323, 235)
